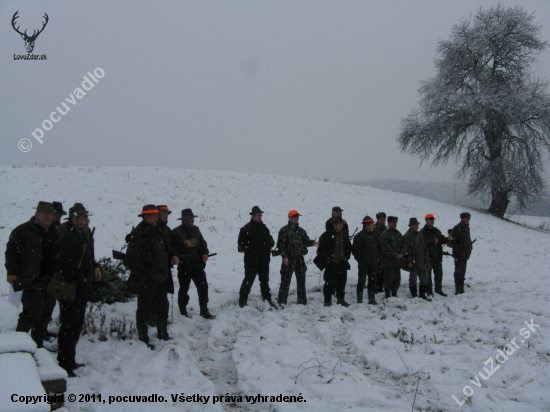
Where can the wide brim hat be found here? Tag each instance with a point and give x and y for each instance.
(337, 209)
(163, 208)
(78, 210)
(45, 206)
(256, 209)
(413, 221)
(187, 214)
(58, 208)
(148, 210)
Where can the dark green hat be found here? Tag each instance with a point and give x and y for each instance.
(78, 210)
(75, 205)
(465, 214)
(45, 206)
(148, 210)
(336, 220)
(187, 214)
(255, 210)
(392, 219)
(337, 209)
(58, 208)
(413, 221)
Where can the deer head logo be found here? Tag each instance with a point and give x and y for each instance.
(29, 40)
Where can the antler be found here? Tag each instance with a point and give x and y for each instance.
(42, 29)
(15, 16)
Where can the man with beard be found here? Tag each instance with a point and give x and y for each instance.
(148, 258)
(76, 263)
(256, 243)
(191, 268)
(30, 261)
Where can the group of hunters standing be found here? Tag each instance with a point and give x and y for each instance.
(43, 247)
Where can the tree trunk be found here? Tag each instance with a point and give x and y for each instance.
(499, 203)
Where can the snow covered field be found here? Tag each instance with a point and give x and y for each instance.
(358, 358)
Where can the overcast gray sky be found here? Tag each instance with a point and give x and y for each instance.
(286, 87)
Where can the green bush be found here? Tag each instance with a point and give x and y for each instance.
(112, 286)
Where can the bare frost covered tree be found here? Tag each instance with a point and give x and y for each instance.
(485, 109)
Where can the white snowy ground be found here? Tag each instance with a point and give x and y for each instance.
(336, 358)
(537, 222)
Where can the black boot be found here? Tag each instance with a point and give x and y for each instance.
(183, 312)
(440, 292)
(273, 305)
(372, 294)
(414, 291)
(359, 296)
(162, 330)
(142, 334)
(206, 314)
(38, 333)
(429, 291)
(423, 293)
(242, 302)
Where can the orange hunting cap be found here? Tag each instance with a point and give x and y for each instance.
(429, 216)
(293, 212)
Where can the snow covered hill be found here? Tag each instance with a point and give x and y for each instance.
(360, 358)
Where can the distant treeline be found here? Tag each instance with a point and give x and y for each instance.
(454, 194)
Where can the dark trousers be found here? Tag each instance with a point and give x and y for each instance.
(460, 270)
(370, 272)
(188, 272)
(437, 269)
(36, 314)
(380, 280)
(335, 277)
(250, 273)
(422, 276)
(72, 318)
(298, 266)
(392, 281)
(152, 299)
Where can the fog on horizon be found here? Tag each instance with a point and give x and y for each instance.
(307, 89)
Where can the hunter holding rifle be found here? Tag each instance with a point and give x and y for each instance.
(256, 243)
(434, 242)
(148, 258)
(30, 262)
(335, 251)
(188, 238)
